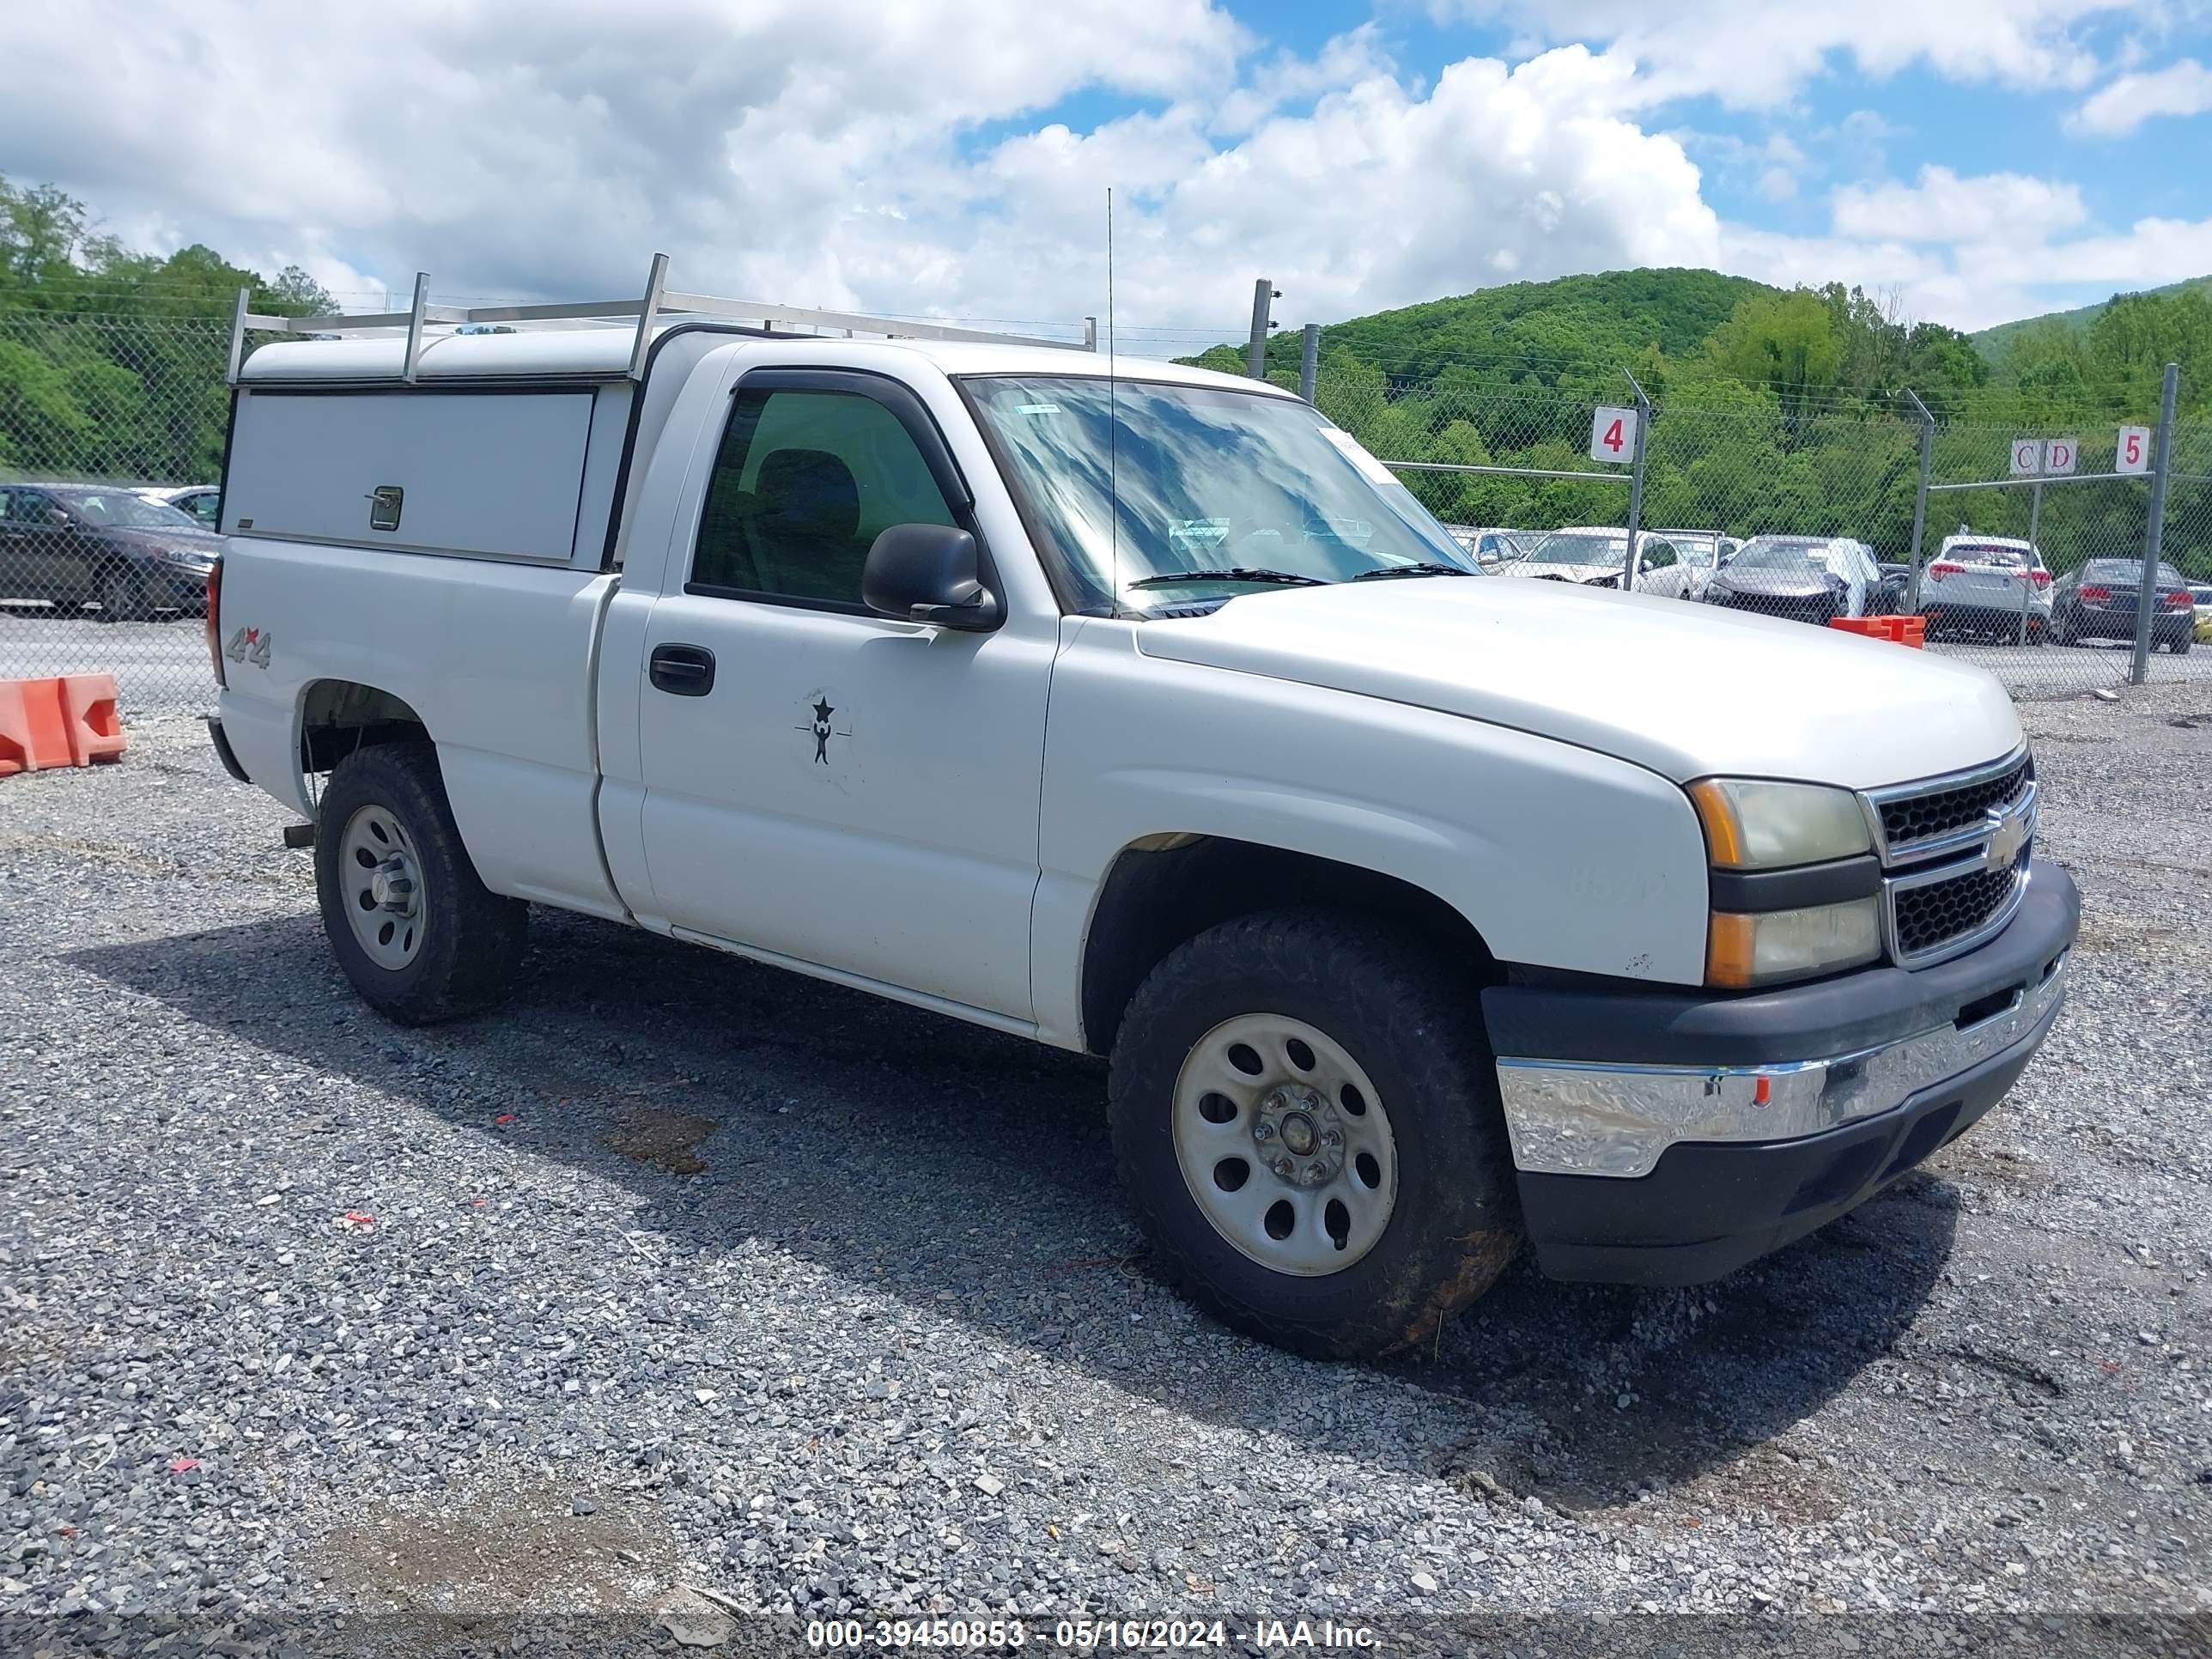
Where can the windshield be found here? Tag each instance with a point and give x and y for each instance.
(1143, 480)
(1569, 547)
(120, 507)
(1798, 556)
(1691, 546)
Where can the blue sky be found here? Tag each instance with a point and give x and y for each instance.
(1968, 161)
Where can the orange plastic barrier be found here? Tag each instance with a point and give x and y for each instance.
(1901, 630)
(68, 721)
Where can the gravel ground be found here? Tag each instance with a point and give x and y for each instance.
(682, 1272)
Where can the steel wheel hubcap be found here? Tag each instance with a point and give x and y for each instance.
(1285, 1146)
(380, 876)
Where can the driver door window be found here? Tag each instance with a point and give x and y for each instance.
(804, 483)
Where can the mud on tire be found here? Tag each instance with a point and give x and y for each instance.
(1412, 1025)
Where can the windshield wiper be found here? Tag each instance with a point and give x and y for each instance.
(1232, 573)
(1420, 569)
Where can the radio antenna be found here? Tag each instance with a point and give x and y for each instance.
(1113, 428)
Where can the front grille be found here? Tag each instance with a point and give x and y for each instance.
(1916, 817)
(1933, 915)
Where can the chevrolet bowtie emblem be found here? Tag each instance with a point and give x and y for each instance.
(2005, 836)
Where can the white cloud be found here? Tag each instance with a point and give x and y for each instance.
(1975, 282)
(912, 158)
(1342, 62)
(1756, 53)
(1942, 207)
(2115, 111)
(843, 153)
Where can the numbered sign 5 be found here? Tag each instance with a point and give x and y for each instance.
(2026, 457)
(2135, 450)
(1613, 435)
(2058, 455)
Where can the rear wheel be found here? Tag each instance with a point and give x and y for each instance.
(420, 935)
(1306, 1116)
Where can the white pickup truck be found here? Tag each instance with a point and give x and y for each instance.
(1140, 711)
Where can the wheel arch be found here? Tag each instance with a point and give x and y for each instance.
(340, 716)
(1162, 889)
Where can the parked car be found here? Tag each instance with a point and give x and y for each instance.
(1702, 552)
(1813, 578)
(1994, 587)
(2098, 602)
(1415, 915)
(2200, 599)
(1593, 556)
(76, 544)
(202, 503)
(1491, 544)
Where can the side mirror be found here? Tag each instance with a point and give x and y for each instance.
(57, 515)
(930, 573)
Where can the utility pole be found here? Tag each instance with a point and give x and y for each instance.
(1310, 362)
(1920, 501)
(1255, 355)
(1636, 483)
(2161, 464)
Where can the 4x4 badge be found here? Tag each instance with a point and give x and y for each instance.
(249, 645)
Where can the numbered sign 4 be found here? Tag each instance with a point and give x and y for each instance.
(2135, 450)
(2026, 457)
(1613, 435)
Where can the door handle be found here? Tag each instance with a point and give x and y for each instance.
(681, 671)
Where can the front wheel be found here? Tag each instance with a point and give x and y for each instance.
(418, 933)
(1306, 1117)
(122, 596)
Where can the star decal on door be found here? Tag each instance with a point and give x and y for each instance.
(821, 728)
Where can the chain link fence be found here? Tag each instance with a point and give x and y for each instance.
(100, 417)
(1803, 508)
(1819, 509)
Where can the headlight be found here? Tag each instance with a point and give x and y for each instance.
(1772, 945)
(187, 555)
(1752, 824)
(1755, 825)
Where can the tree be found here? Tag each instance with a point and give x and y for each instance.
(1786, 340)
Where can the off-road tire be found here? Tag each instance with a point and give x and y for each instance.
(473, 938)
(1413, 1023)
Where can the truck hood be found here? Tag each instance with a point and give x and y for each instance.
(1687, 691)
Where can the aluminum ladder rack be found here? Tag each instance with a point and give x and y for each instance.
(656, 306)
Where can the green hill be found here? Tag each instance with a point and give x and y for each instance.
(1997, 341)
(1527, 330)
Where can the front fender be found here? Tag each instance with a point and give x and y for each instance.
(1557, 856)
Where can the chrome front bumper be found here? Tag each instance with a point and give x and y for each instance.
(1604, 1118)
